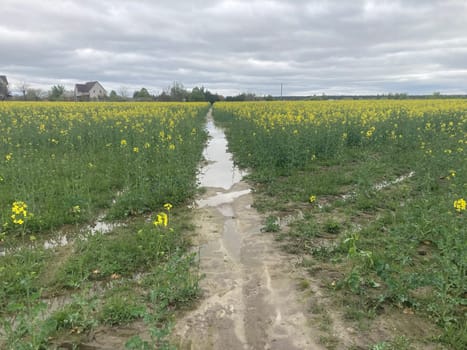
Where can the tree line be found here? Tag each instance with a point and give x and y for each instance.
(176, 92)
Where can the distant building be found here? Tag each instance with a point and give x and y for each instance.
(92, 90)
(3, 87)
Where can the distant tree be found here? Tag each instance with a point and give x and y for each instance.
(142, 95)
(123, 92)
(57, 93)
(178, 92)
(35, 94)
(164, 97)
(23, 88)
(210, 97)
(242, 97)
(436, 94)
(113, 96)
(198, 94)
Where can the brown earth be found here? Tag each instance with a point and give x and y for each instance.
(250, 296)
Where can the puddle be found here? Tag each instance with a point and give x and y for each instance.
(220, 171)
(61, 240)
(221, 174)
(100, 226)
(379, 186)
(384, 184)
(221, 198)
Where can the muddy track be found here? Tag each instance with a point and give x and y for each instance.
(250, 300)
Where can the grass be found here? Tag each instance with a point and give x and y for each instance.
(384, 176)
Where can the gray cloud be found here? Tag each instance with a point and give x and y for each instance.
(332, 47)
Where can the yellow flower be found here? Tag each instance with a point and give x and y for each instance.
(136, 149)
(161, 219)
(168, 206)
(312, 198)
(460, 204)
(370, 132)
(18, 208)
(123, 143)
(8, 156)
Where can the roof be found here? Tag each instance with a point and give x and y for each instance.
(85, 88)
(3, 79)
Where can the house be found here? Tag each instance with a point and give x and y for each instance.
(3, 87)
(92, 90)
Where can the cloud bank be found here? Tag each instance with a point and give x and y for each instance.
(311, 47)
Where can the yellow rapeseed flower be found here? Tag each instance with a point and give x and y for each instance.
(168, 206)
(19, 212)
(460, 204)
(161, 219)
(312, 198)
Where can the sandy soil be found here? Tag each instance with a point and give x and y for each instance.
(250, 297)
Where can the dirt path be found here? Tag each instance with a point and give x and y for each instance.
(250, 299)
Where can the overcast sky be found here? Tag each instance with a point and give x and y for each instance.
(312, 47)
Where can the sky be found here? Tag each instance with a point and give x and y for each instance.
(334, 47)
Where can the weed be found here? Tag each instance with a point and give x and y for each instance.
(121, 309)
(398, 343)
(271, 224)
(78, 316)
(332, 227)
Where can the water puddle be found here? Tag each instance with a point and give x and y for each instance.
(221, 176)
(220, 171)
(382, 185)
(99, 226)
(221, 198)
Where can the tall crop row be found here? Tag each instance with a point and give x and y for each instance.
(67, 161)
(285, 135)
(389, 176)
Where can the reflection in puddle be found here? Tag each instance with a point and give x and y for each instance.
(220, 171)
